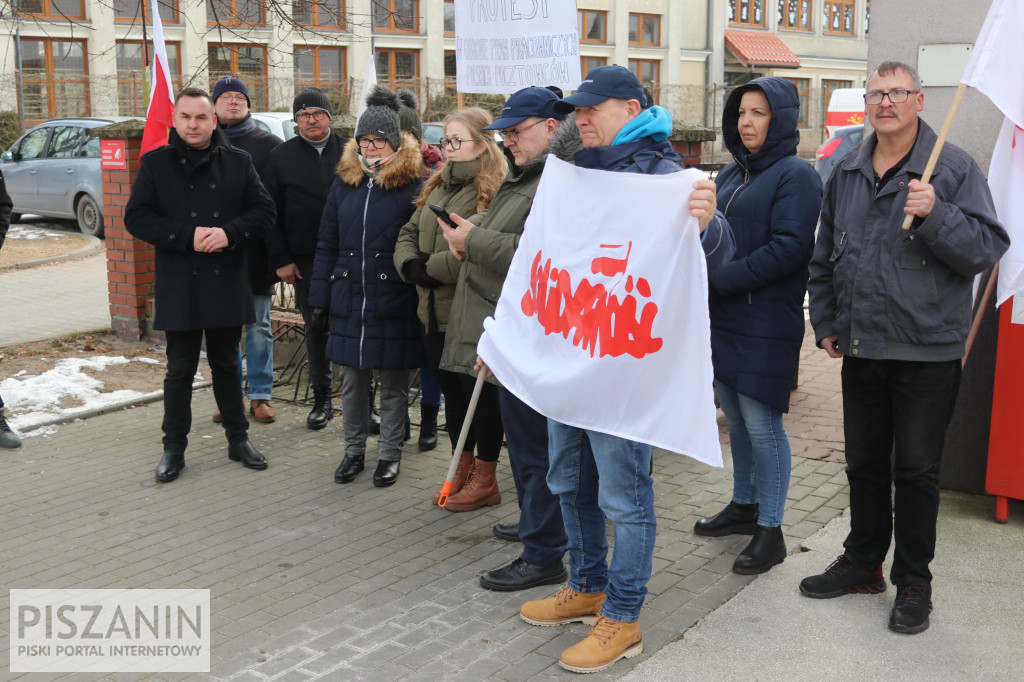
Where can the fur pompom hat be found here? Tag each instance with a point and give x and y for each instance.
(381, 117)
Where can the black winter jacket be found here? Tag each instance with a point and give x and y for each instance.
(174, 192)
(258, 143)
(298, 179)
(373, 319)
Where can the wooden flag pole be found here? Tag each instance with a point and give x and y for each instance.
(986, 296)
(467, 423)
(937, 149)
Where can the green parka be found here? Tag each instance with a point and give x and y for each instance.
(457, 194)
(490, 248)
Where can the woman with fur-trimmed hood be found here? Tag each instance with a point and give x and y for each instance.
(356, 290)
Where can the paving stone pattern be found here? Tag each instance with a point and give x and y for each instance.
(311, 579)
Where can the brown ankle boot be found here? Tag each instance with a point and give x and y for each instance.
(481, 489)
(461, 474)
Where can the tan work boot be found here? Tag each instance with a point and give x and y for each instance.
(608, 641)
(481, 489)
(261, 411)
(567, 606)
(461, 474)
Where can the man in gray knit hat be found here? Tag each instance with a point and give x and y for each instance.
(298, 175)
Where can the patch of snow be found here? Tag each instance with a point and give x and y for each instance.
(35, 399)
(22, 232)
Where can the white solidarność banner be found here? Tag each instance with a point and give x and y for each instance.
(603, 319)
(502, 46)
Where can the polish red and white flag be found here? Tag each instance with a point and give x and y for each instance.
(160, 114)
(994, 69)
(603, 319)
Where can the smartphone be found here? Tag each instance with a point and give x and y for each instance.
(442, 214)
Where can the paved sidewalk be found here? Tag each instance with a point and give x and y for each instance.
(53, 301)
(313, 579)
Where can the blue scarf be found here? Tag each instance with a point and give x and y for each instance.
(654, 122)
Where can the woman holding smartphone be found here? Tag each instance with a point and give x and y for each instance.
(465, 186)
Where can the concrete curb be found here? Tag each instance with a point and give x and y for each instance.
(85, 413)
(95, 246)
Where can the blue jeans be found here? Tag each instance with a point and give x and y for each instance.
(259, 352)
(598, 477)
(430, 392)
(761, 456)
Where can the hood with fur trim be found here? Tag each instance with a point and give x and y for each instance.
(404, 169)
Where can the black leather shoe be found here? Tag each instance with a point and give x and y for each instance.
(349, 467)
(507, 531)
(170, 466)
(735, 518)
(243, 451)
(520, 575)
(386, 473)
(766, 549)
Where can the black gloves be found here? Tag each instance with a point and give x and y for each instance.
(416, 272)
(321, 317)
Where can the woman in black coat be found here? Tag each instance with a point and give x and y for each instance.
(771, 198)
(372, 312)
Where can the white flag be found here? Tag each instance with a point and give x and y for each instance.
(603, 319)
(995, 69)
(369, 80)
(995, 63)
(1005, 179)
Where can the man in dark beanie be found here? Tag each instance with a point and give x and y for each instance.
(231, 101)
(298, 175)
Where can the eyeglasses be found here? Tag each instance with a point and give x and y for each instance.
(875, 97)
(227, 97)
(306, 115)
(512, 135)
(453, 142)
(365, 142)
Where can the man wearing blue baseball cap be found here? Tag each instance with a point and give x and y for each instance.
(597, 476)
(531, 130)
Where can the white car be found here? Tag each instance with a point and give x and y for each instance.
(279, 123)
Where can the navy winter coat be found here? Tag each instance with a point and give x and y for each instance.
(373, 312)
(177, 190)
(771, 200)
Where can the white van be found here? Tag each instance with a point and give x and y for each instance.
(845, 107)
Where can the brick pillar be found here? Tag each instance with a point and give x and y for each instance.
(129, 261)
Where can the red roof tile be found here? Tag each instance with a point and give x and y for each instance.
(760, 49)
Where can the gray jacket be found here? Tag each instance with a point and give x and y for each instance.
(895, 295)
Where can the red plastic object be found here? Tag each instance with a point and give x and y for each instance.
(1005, 475)
(826, 149)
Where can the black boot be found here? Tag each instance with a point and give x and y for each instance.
(245, 452)
(735, 518)
(170, 466)
(9, 439)
(349, 467)
(766, 549)
(428, 427)
(322, 411)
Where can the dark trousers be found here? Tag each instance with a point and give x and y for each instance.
(182, 362)
(540, 513)
(895, 417)
(316, 336)
(486, 432)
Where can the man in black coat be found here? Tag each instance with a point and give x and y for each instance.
(231, 103)
(298, 176)
(200, 202)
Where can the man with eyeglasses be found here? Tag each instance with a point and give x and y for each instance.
(231, 100)
(298, 177)
(895, 305)
(531, 129)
